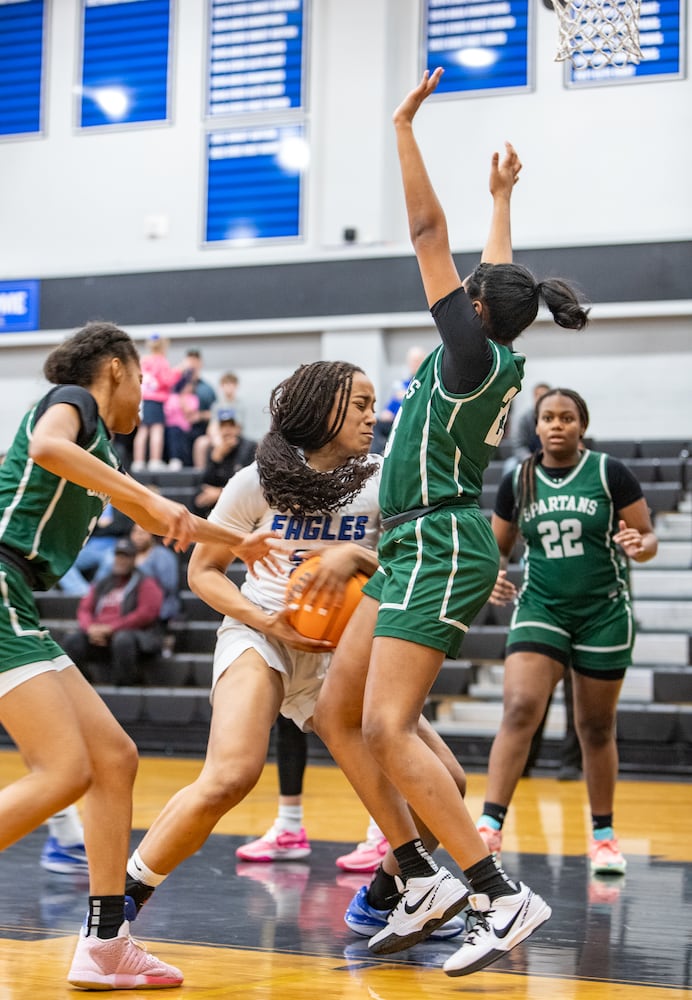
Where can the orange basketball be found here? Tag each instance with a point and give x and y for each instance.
(313, 619)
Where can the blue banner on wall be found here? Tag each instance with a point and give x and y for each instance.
(481, 46)
(21, 66)
(125, 62)
(254, 183)
(19, 306)
(662, 41)
(256, 56)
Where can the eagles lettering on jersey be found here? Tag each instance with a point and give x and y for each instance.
(321, 527)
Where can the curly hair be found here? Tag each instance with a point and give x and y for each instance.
(78, 359)
(526, 484)
(300, 409)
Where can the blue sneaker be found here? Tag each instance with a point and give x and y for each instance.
(64, 860)
(364, 919)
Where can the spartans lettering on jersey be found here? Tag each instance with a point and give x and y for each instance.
(579, 505)
(322, 527)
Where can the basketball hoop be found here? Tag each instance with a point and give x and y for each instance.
(595, 33)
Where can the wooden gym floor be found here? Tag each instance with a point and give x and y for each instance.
(276, 931)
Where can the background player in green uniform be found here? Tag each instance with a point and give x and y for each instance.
(59, 473)
(581, 514)
(438, 562)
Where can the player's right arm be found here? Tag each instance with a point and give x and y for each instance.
(54, 447)
(426, 218)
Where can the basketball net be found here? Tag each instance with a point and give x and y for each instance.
(594, 33)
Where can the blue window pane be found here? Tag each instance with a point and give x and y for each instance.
(21, 69)
(482, 47)
(125, 63)
(253, 193)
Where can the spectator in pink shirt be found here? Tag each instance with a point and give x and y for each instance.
(180, 410)
(158, 378)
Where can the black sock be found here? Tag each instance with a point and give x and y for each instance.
(601, 822)
(487, 877)
(495, 811)
(414, 861)
(105, 916)
(382, 891)
(139, 892)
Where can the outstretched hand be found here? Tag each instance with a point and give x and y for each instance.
(504, 174)
(409, 106)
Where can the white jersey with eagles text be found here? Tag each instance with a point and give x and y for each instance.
(243, 507)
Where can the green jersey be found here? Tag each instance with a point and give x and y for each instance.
(441, 443)
(44, 518)
(568, 528)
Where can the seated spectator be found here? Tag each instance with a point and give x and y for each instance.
(153, 559)
(96, 551)
(119, 623)
(229, 453)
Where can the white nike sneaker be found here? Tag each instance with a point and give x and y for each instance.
(499, 926)
(425, 904)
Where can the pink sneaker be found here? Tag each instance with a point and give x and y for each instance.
(276, 845)
(119, 963)
(492, 839)
(606, 858)
(366, 857)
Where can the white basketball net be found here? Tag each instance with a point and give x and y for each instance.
(595, 33)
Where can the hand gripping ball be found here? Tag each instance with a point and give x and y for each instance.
(314, 618)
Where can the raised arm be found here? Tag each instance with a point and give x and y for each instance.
(503, 176)
(426, 219)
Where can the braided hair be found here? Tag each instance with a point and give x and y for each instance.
(511, 296)
(526, 483)
(78, 359)
(300, 409)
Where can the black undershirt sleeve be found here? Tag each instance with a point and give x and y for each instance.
(504, 498)
(467, 356)
(83, 402)
(622, 483)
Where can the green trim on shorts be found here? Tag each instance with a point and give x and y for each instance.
(597, 637)
(436, 573)
(22, 638)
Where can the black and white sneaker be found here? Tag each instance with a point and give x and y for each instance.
(495, 928)
(425, 904)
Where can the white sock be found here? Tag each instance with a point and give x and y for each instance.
(374, 833)
(66, 827)
(290, 818)
(138, 870)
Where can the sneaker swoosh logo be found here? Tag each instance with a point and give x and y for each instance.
(504, 931)
(417, 906)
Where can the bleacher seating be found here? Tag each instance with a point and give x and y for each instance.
(171, 713)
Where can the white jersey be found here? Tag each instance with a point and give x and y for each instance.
(243, 507)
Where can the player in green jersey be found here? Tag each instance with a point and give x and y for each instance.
(59, 473)
(582, 515)
(438, 565)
